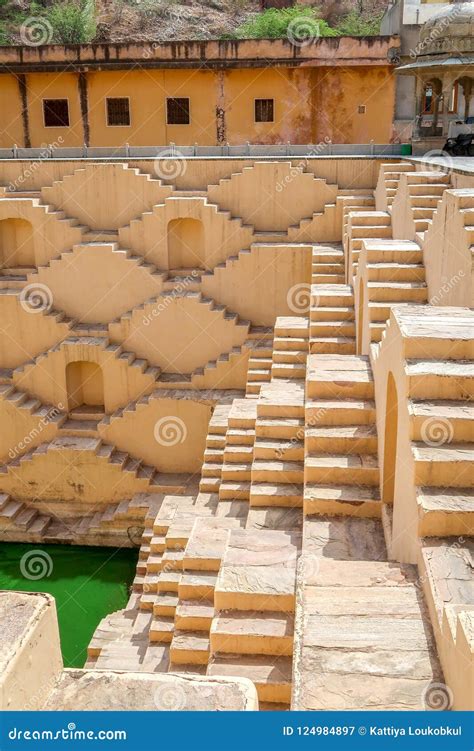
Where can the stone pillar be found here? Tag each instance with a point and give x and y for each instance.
(447, 87)
(419, 96)
(467, 91)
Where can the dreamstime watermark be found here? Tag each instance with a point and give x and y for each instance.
(436, 431)
(436, 33)
(46, 150)
(436, 160)
(303, 31)
(170, 697)
(298, 298)
(168, 299)
(170, 431)
(299, 436)
(46, 420)
(36, 31)
(36, 298)
(308, 566)
(437, 696)
(446, 287)
(170, 164)
(299, 168)
(36, 564)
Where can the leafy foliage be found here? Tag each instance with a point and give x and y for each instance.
(278, 23)
(356, 25)
(73, 21)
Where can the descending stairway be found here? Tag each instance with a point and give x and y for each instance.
(341, 469)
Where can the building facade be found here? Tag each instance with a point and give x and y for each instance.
(210, 93)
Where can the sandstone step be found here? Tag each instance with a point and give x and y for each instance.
(288, 370)
(279, 427)
(210, 484)
(347, 500)
(234, 490)
(197, 585)
(168, 580)
(161, 629)
(322, 267)
(395, 272)
(274, 471)
(165, 604)
(291, 326)
(289, 343)
(327, 412)
(271, 675)
(194, 615)
(272, 494)
(209, 469)
(240, 437)
(376, 331)
(442, 421)
(240, 454)
(371, 609)
(289, 450)
(259, 376)
(445, 512)
(243, 413)
(207, 543)
(215, 440)
(440, 379)
(444, 465)
(234, 472)
(333, 345)
(393, 251)
(327, 278)
(290, 356)
(436, 332)
(446, 575)
(342, 439)
(333, 313)
(258, 633)
(334, 468)
(281, 400)
(258, 571)
(330, 295)
(332, 329)
(397, 291)
(330, 376)
(188, 648)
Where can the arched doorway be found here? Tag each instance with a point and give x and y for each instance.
(84, 384)
(390, 442)
(186, 244)
(16, 244)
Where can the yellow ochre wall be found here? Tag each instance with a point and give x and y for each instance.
(310, 105)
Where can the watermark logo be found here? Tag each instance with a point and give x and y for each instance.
(36, 564)
(436, 431)
(298, 298)
(36, 298)
(170, 164)
(170, 431)
(36, 31)
(302, 31)
(170, 697)
(437, 696)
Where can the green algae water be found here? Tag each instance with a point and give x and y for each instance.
(87, 583)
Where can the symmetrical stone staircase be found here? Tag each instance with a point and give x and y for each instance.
(284, 559)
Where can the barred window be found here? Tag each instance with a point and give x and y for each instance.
(118, 111)
(56, 113)
(177, 111)
(264, 110)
